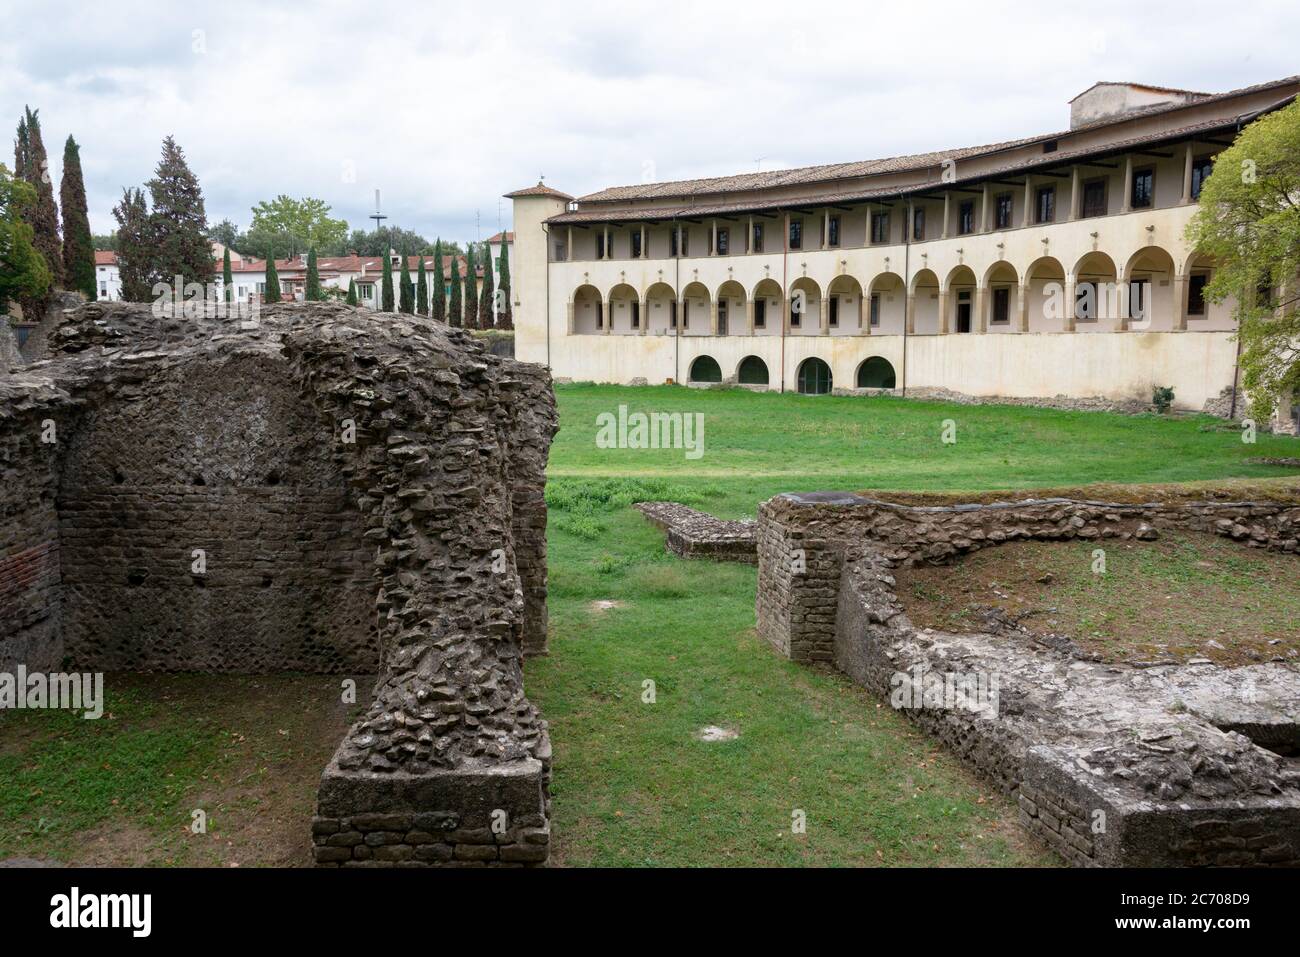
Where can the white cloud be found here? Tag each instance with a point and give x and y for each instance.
(447, 106)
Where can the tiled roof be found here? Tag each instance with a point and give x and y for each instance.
(541, 189)
(105, 257)
(496, 238)
(335, 265)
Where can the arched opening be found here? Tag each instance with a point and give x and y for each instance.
(1151, 289)
(961, 300)
(805, 307)
(925, 301)
(876, 373)
(814, 377)
(588, 316)
(661, 309)
(844, 306)
(752, 371)
(624, 310)
(1045, 292)
(1096, 290)
(887, 304)
(696, 317)
(705, 369)
(1002, 298)
(766, 299)
(731, 309)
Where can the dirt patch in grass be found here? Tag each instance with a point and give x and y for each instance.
(1184, 596)
(247, 751)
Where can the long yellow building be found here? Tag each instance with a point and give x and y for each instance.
(1052, 265)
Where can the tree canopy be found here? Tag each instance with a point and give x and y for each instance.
(291, 226)
(23, 271)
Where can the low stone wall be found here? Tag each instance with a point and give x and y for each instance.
(1110, 764)
(693, 534)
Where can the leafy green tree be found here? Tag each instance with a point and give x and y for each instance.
(23, 271)
(506, 319)
(178, 222)
(78, 250)
(1248, 224)
(135, 248)
(406, 291)
(227, 279)
(439, 284)
(295, 225)
(272, 293)
(226, 233)
(352, 292)
(454, 311)
(421, 289)
(386, 293)
(107, 242)
(486, 320)
(313, 291)
(471, 295)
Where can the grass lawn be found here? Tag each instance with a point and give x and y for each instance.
(634, 785)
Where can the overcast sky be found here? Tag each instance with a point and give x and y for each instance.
(447, 106)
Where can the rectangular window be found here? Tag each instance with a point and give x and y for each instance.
(672, 243)
(796, 234)
(261, 288)
(1144, 188)
(918, 224)
(880, 227)
(1139, 298)
(796, 316)
(103, 289)
(600, 245)
(561, 253)
(1046, 208)
(724, 242)
(636, 244)
(672, 314)
(722, 317)
(686, 240)
(760, 313)
(833, 231)
(834, 310)
(686, 313)
(1094, 197)
(1196, 293)
(966, 217)
(875, 309)
(1001, 305)
(758, 237)
(1002, 212)
(1201, 168)
(636, 314)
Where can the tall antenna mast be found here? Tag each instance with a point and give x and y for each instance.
(377, 216)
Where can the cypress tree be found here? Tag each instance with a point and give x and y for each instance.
(134, 246)
(32, 165)
(179, 223)
(406, 292)
(506, 319)
(352, 292)
(313, 292)
(421, 289)
(471, 289)
(486, 320)
(454, 307)
(272, 293)
(386, 301)
(78, 247)
(227, 280)
(439, 284)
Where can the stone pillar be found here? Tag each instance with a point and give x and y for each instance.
(609, 243)
(826, 228)
(984, 210)
(1067, 323)
(783, 303)
(825, 313)
(607, 316)
(910, 314)
(568, 249)
(645, 316)
(645, 242)
(1026, 217)
(1123, 306)
(713, 317)
(1022, 300)
(943, 312)
(572, 321)
(947, 213)
(1187, 175)
(749, 317)
(980, 323)
(1074, 201)
(749, 235)
(1126, 203)
(1180, 302)
(713, 243)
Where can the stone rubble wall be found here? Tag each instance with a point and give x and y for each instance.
(417, 550)
(1111, 765)
(689, 533)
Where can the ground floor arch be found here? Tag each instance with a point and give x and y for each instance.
(752, 371)
(814, 377)
(705, 370)
(877, 372)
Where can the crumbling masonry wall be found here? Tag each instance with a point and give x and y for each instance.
(363, 493)
(1110, 764)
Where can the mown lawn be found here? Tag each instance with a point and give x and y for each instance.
(633, 783)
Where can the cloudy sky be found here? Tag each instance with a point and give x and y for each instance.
(444, 107)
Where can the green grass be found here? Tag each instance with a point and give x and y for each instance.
(633, 785)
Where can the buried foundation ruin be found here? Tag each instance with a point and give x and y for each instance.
(325, 490)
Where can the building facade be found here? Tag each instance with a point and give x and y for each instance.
(1052, 265)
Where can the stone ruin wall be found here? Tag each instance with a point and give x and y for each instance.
(416, 553)
(1237, 805)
